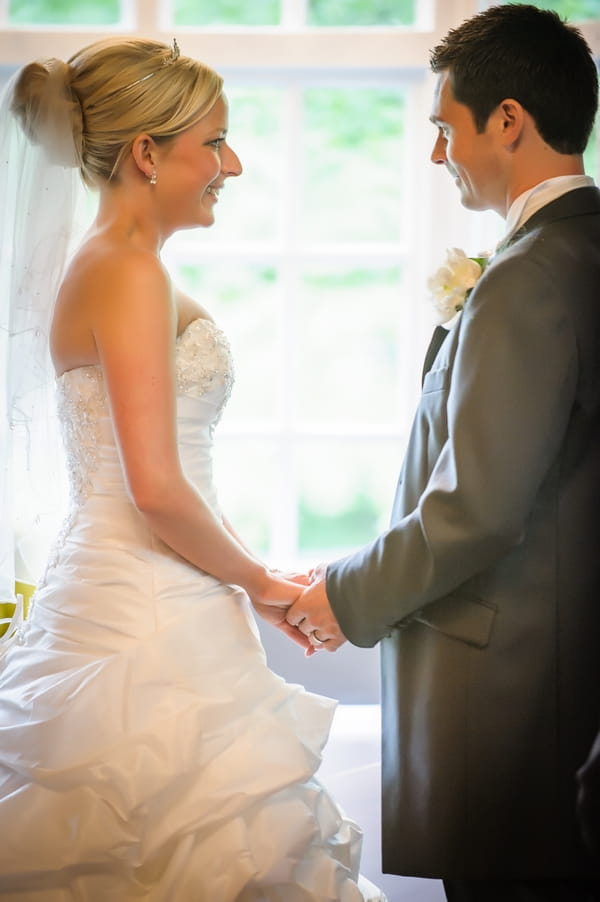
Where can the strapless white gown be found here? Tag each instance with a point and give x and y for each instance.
(146, 750)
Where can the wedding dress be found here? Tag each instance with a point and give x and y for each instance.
(146, 750)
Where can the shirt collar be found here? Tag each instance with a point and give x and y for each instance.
(532, 200)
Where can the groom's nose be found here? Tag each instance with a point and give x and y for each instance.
(438, 154)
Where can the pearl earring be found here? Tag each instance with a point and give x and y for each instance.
(153, 177)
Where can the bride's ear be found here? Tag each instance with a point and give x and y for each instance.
(144, 154)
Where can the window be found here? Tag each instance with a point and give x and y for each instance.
(317, 265)
(332, 13)
(574, 10)
(63, 12)
(317, 232)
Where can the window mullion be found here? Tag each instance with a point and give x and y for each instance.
(294, 13)
(147, 15)
(284, 530)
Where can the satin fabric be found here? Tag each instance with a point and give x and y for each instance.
(146, 749)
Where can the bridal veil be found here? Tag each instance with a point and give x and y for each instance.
(39, 187)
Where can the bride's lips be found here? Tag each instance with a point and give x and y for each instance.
(213, 190)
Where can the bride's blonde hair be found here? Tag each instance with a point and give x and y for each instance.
(110, 92)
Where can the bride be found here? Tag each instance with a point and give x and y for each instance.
(146, 750)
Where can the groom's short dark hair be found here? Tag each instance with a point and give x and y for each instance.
(532, 56)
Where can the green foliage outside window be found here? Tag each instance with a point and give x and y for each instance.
(353, 147)
(361, 12)
(345, 489)
(357, 13)
(244, 301)
(358, 311)
(355, 117)
(244, 469)
(576, 10)
(591, 157)
(351, 526)
(226, 12)
(64, 12)
(319, 12)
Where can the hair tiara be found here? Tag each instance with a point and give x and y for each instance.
(174, 55)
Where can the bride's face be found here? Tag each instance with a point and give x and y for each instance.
(193, 168)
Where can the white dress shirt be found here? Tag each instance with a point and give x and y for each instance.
(532, 200)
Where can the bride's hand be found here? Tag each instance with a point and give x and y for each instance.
(279, 594)
(294, 576)
(318, 573)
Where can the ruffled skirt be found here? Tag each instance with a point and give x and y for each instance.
(147, 752)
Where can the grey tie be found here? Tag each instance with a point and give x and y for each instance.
(510, 239)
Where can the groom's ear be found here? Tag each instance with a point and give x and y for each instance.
(509, 118)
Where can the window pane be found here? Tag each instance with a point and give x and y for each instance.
(361, 12)
(348, 345)
(345, 491)
(250, 207)
(244, 301)
(247, 486)
(591, 157)
(64, 12)
(576, 10)
(226, 12)
(353, 151)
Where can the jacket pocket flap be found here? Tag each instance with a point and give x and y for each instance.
(435, 380)
(466, 619)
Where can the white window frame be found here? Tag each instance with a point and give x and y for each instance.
(275, 54)
(436, 217)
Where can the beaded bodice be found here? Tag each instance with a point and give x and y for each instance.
(204, 372)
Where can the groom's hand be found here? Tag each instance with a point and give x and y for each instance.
(312, 615)
(280, 591)
(275, 614)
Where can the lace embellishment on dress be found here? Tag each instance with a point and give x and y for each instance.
(79, 410)
(204, 364)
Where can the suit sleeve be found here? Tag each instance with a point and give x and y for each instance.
(588, 802)
(509, 400)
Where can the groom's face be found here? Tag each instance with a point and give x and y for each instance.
(471, 157)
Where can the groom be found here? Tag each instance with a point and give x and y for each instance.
(485, 591)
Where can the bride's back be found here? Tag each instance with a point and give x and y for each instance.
(104, 273)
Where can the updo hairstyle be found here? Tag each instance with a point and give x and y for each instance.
(106, 95)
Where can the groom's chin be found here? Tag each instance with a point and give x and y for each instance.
(471, 203)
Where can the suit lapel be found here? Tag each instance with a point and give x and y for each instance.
(437, 340)
(577, 202)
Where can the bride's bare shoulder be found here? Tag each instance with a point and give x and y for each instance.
(114, 261)
(106, 283)
(108, 277)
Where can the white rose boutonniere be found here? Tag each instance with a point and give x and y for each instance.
(454, 280)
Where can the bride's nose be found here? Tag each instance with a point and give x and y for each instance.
(230, 162)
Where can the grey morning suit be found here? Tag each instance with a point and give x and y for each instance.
(485, 591)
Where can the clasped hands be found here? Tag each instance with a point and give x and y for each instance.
(308, 619)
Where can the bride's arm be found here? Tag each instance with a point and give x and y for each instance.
(275, 614)
(134, 325)
(232, 532)
(297, 577)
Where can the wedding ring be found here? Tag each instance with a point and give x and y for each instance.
(314, 639)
